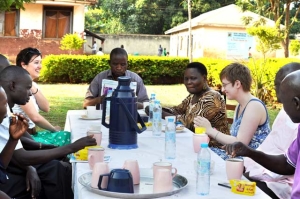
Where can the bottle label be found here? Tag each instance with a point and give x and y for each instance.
(203, 166)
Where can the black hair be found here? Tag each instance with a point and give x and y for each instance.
(26, 55)
(199, 66)
(12, 73)
(100, 49)
(118, 51)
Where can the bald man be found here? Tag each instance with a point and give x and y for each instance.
(283, 133)
(3, 62)
(288, 163)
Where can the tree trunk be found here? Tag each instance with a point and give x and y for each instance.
(190, 52)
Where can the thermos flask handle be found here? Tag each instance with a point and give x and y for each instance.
(104, 111)
(131, 120)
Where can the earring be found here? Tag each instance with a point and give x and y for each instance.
(204, 87)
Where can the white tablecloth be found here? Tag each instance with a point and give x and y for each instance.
(151, 149)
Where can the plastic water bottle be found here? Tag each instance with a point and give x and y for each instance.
(203, 171)
(157, 113)
(151, 104)
(170, 139)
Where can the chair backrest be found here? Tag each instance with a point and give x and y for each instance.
(230, 107)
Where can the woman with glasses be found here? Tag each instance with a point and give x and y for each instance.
(251, 121)
(30, 59)
(202, 101)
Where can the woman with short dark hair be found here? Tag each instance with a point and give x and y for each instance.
(202, 101)
(251, 121)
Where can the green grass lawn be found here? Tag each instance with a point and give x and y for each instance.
(64, 97)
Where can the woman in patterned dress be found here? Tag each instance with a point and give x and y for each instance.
(251, 121)
(202, 101)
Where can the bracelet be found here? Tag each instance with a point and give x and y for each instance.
(37, 90)
(217, 135)
(40, 145)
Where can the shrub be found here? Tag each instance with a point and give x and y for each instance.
(159, 70)
(71, 42)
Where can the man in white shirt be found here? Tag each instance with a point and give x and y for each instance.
(94, 48)
(100, 52)
(48, 178)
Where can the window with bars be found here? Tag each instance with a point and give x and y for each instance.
(57, 21)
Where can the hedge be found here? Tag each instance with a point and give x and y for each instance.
(158, 70)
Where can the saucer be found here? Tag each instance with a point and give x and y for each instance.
(85, 117)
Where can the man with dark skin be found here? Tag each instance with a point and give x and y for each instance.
(118, 67)
(16, 129)
(3, 62)
(284, 164)
(47, 178)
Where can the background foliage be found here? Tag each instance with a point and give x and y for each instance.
(71, 42)
(159, 70)
(144, 17)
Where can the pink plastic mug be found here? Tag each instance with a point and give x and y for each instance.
(133, 167)
(95, 155)
(162, 181)
(99, 169)
(163, 165)
(234, 168)
(198, 139)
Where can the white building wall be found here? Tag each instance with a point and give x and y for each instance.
(31, 17)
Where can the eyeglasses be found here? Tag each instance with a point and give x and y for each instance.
(225, 84)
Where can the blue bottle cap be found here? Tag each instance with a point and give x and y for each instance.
(152, 94)
(170, 119)
(204, 145)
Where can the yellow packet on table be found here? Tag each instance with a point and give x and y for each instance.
(200, 130)
(83, 153)
(243, 187)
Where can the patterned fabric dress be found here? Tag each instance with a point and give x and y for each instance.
(210, 105)
(259, 136)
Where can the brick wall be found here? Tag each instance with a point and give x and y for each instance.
(11, 46)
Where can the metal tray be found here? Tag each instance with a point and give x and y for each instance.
(143, 190)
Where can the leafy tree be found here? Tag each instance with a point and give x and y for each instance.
(268, 40)
(6, 4)
(278, 10)
(295, 47)
(150, 17)
(71, 42)
(94, 20)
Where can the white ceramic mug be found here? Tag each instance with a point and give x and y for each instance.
(234, 168)
(163, 181)
(99, 169)
(95, 155)
(163, 165)
(133, 167)
(91, 112)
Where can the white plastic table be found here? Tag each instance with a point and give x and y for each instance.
(151, 149)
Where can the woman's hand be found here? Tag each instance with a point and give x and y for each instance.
(202, 122)
(18, 126)
(57, 128)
